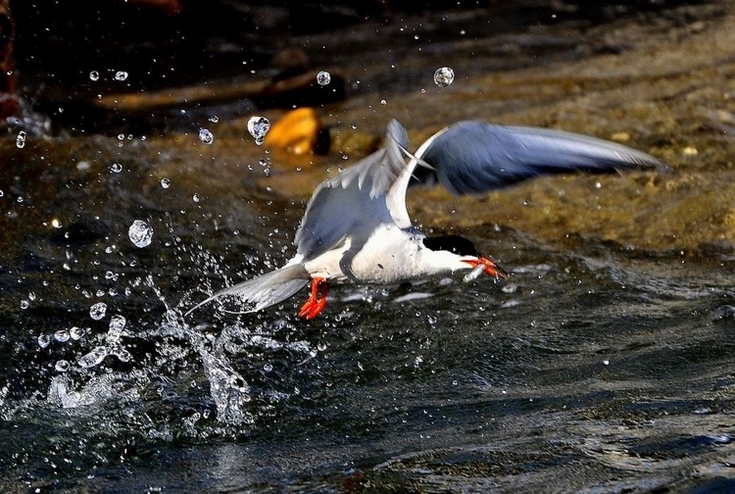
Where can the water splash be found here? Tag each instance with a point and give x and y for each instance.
(228, 389)
(140, 233)
(93, 357)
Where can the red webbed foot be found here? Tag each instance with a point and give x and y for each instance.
(317, 299)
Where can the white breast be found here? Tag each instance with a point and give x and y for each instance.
(393, 255)
(390, 255)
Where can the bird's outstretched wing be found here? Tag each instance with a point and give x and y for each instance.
(353, 202)
(476, 157)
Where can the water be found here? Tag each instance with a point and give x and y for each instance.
(140, 233)
(323, 78)
(206, 136)
(574, 372)
(595, 366)
(258, 128)
(444, 76)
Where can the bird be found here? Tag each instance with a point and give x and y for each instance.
(356, 227)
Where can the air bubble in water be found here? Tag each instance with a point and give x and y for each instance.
(121, 75)
(323, 78)
(206, 136)
(20, 140)
(98, 311)
(140, 233)
(258, 128)
(165, 183)
(94, 76)
(443, 76)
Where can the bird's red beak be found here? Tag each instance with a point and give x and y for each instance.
(489, 267)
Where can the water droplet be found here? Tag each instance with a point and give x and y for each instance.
(383, 102)
(94, 76)
(20, 140)
(62, 366)
(258, 128)
(214, 119)
(62, 336)
(443, 76)
(206, 136)
(123, 355)
(165, 183)
(195, 198)
(323, 78)
(121, 75)
(268, 367)
(93, 358)
(116, 168)
(140, 233)
(98, 311)
(76, 333)
(44, 340)
(117, 324)
(24, 304)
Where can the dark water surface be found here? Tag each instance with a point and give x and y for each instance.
(604, 363)
(601, 367)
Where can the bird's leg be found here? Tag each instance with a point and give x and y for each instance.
(489, 266)
(317, 299)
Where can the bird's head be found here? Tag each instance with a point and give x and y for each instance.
(467, 253)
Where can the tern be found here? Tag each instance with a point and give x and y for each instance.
(356, 228)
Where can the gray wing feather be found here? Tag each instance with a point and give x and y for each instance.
(476, 157)
(352, 202)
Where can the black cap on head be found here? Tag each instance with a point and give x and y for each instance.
(451, 243)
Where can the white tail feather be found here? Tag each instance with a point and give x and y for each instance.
(266, 290)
